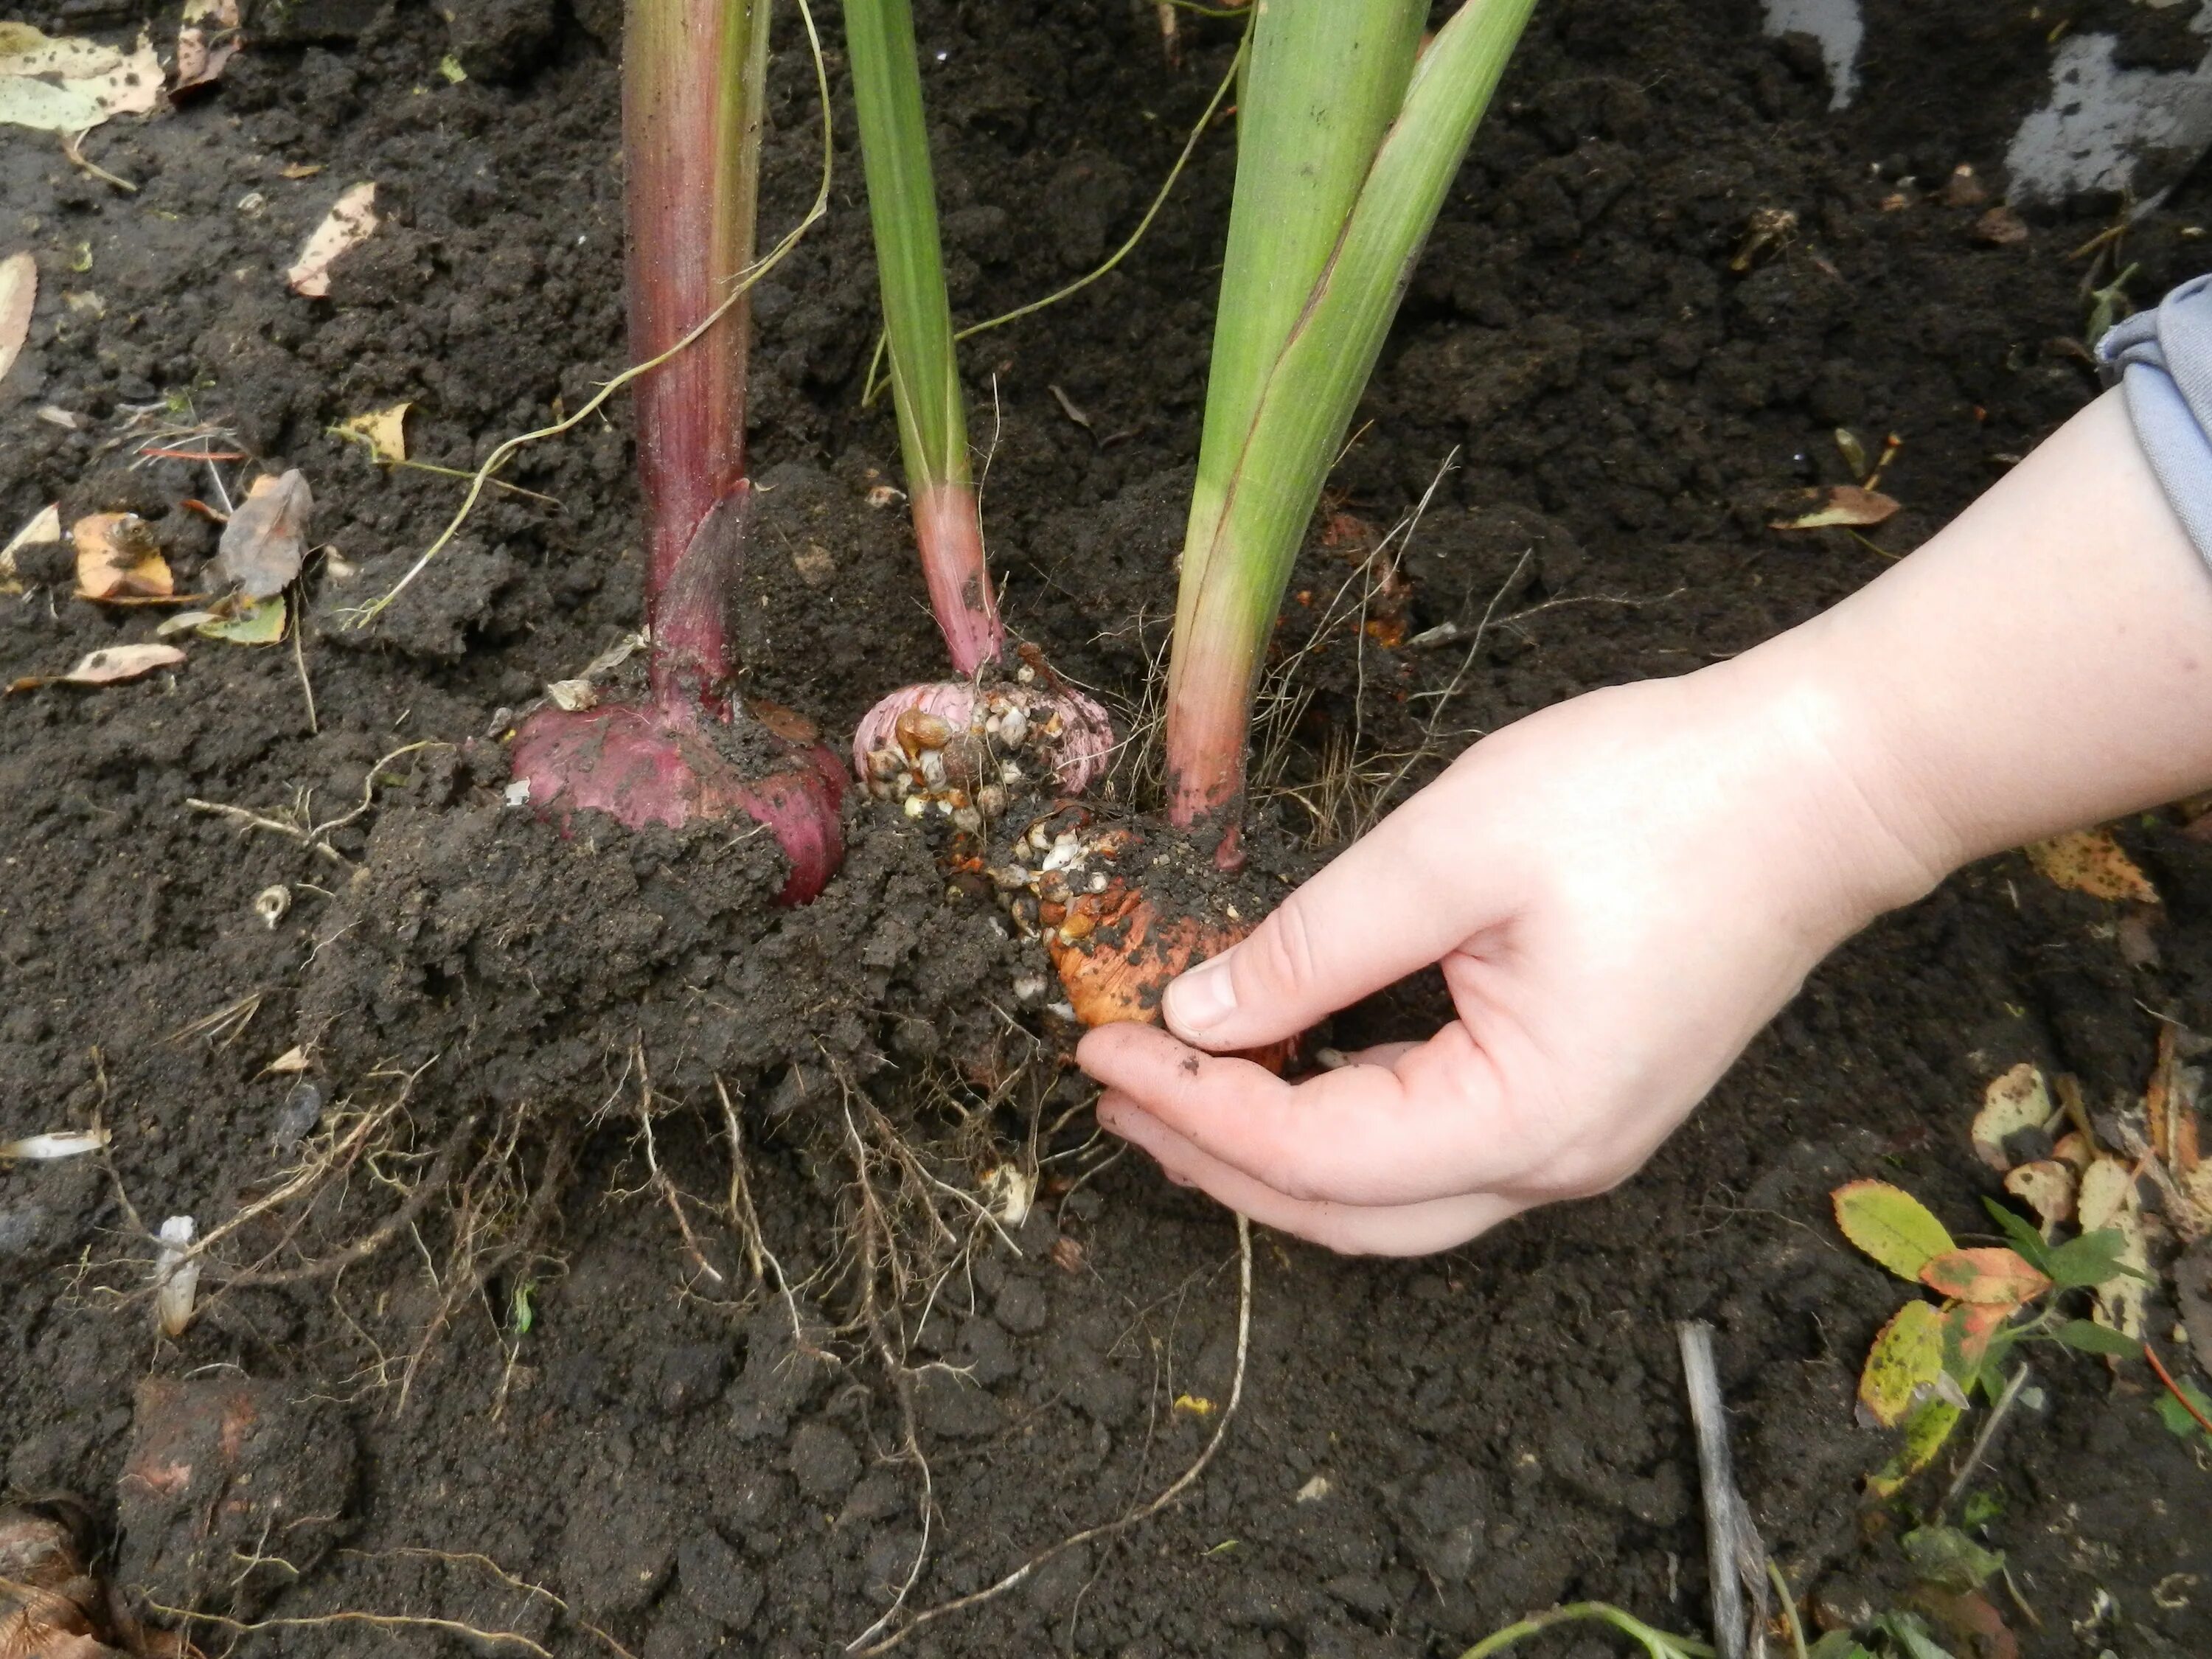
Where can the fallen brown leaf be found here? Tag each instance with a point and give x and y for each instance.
(265, 541)
(2001, 227)
(2090, 861)
(349, 223)
(19, 292)
(1842, 505)
(206, 41)
(44, 528)
(111, 666)
(117, 559)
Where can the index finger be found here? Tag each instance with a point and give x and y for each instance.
(1435, 1123)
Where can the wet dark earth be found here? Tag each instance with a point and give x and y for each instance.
(604, 1271)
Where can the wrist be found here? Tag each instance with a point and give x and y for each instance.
(1847, 813)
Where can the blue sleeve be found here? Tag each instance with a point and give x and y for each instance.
(2163, 358)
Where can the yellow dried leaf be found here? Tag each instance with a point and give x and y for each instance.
(1907, 1356)
(1925, 1432)
(25, 50)
(384, 431)
(44, 528)
(19, 291)
(2017, 1100)
(131, 86)
(1842, 506)
(122, 662)
(1195, 1405)
(294, 1058)
(2090, 861)
(349, 223)
(2046, 1187)
(117, 559)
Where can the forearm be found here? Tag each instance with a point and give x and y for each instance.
(2043, 663)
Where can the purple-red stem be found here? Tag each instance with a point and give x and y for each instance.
(950, 535)
(692, 77)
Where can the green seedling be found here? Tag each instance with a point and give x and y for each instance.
(1656, 1644)
(1931, 1356)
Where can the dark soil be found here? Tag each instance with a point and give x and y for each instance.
(527, 1363)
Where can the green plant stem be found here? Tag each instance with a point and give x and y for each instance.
(918, 326)
(1275, 425)
(1656, 1642)
(692, 74)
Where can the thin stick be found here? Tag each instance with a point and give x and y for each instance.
(1728, 1538)
(1789, 1610)
(1110, 1528)
(300, 662)
(2005, 1402)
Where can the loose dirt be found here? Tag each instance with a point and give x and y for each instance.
(508, 1327)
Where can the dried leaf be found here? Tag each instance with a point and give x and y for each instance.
(2017, 1100)
(2108, 1191)
(1990, 1274)
(2110, 1202)
(19, 291)
(46, 107)
(110, 667)
(349, 223)
(1891, 1226)
(2001, 227)
(2046, 1187)
(117, 559)
(301, 169)
(1906, 1359)
(201, 49)
(132, 86)
(265, 541)
(385, 430)
(2090, 861)
(294, 1058)
(1842, 505)
(261, 622)
(1925, 1432)
(25, 50)
(44, 528)
(66, 1143)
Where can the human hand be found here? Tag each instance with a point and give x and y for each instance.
(1619, 891)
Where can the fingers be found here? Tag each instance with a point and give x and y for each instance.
(1433, 1124)
(1353, 1229)
(1382, 910)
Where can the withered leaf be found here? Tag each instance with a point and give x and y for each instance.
(19, 291)
(117, 559)
(1842, 506)
(349, 223)
(2090, 861)
(265, 541)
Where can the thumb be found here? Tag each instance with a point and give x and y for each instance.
(1380, 911)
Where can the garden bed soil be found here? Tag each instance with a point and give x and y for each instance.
(1605, 403)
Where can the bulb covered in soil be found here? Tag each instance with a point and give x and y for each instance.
(1117, 931)
(642, 764)
(51, 1604)
(952, 744)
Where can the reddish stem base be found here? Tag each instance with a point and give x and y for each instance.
(645, 765)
